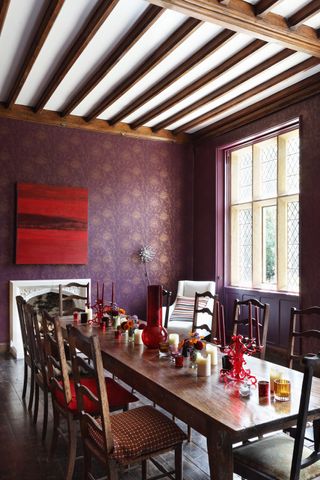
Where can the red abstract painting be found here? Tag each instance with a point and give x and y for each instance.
(52, 224)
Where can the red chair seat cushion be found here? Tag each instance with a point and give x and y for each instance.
(139, 432)
(118, 396)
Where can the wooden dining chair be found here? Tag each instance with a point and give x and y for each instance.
(201, 308)
(71, 297)
(259, 313)
(125, 438)
(28, 365)
(279, 456)
(64, 396)
(297, 332)
(39, 365)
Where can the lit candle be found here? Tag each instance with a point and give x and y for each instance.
(213, 352)
(256, 314)
(204, 366)
(174, 339)
(250, 322)
(138, 337)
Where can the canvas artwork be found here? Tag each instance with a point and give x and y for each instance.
(52, 224)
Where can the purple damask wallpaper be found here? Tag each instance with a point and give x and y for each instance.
(140, 192)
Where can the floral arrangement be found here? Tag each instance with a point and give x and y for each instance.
(192, 344)
(129, 325)
(113, 310)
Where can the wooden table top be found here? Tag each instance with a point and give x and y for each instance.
(204, 401)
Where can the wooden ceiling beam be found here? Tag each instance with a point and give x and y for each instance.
(224, 88)
(242, 21)
(175, 74)
(87, 32)
(264, 6)
(47, 117)
(196, 85)
(44, 27)
(301, 67)
(304, 13)
(289, 96)
(167, 47)
(140, 27)
(4, 5)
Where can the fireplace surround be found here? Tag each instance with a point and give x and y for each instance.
(29, 289)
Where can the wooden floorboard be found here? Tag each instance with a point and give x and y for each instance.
(24, 457)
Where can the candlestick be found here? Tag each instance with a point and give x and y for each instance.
(112, 294)
(256, 314)
(204, 366)
(213, 351)
(250, 321)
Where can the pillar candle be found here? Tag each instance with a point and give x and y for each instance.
(204, 366)
(138, 337)
(213, 351)
(174, 339)
(90, 314)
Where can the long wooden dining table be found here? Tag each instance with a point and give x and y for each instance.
(209, 405)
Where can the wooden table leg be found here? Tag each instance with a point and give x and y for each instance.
(220, 454)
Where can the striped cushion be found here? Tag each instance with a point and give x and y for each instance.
(184, 308)
(138, 432)
(118, 396)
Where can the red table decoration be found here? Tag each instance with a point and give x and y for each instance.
(153, 334)
(236, 351)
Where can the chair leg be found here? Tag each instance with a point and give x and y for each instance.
(87, 464)
(144, 470)
(36, 404)
(55, 431)
(25, 380)
(178, 462)
(72, 447)
(45, 415)
(32, 382)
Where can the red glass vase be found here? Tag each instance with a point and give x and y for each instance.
(154, 333)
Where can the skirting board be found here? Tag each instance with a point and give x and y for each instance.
(4, 347)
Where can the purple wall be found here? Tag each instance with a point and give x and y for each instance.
(205, 204)
(140, 192)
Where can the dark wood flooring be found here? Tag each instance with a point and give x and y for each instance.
(23, 456)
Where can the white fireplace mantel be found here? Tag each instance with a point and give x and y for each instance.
(28, 289)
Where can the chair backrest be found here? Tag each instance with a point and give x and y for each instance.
(253, 315)
(58, 372)
(310, 363)
(90, 346)
(20, 306)
(295, 334)
(71, 296)
(36, 340)
(188, 288)
(201, 309)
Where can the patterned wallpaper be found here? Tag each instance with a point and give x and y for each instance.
(140, 192)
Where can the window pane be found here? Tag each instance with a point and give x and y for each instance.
(292, 165)
(242, 164)
(245, 246)
(269, 236)
(269, 169)
(293, 245)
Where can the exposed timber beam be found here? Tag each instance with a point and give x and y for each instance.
(264, 6)
(90, 28)
(246, 22)
(4, 5)
(289, 96)
(304, 13)
(47, 117)
(38, 40)
(167, 47)
(140, 27)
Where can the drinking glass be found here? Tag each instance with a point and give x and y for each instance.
(282, 389)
